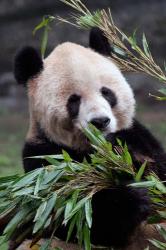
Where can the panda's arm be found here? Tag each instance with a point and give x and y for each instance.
(117, 213)
(36, 149)
(141, 141)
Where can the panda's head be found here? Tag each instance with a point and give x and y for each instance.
(72, 87)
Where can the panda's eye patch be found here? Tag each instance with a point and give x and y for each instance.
(73, 105)
(109, 96)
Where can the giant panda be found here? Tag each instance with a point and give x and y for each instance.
(75, 86)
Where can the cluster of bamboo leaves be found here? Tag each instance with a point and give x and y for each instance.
(61, 193)
(125, 50)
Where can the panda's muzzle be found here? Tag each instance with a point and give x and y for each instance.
(101, 122)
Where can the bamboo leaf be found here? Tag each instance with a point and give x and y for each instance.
(39, 181)
(40, 210)
(79, 225)
(66, 156)
(71, 227)
(44, 41)
(140, 172)
(162, 231)
(50, 205)
(58, 157)
(162, 91)
(24, 191)
(46, 245)
(158, 244)
(50, 176)
(86, 233)
(42, 24)
(145, 45)
(78, 206)
(119, 52)
(88, 212)
(145, 184)
(16, 220)
(27, 179)
(162, 214)
(68, 208)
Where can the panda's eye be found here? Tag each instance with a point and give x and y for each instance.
(109, 95)
(73, 105)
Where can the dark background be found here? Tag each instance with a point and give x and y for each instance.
(17, 20)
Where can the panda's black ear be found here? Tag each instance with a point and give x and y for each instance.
(98, 42)
(28, 63)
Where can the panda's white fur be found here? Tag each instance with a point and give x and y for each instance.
(69, 69)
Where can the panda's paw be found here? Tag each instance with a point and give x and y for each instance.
(116, 214)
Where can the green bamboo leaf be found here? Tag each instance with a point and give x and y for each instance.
(159, 98)
(48, 222)
(42, 24)
(145, 45)
(140, 172)
(52, 176)
(45, 22)
(86, 233)
(3, 239)
(68, 208)
(157, 200)
(162, 214)
(71, 227)
(50, 205)
(79, 225)
(75, 196)
(66, 156)
(44, 41)
(89, 20)
(88, 212)
(9, 178)
(40, 211)
(134, 37)
(3, 193)
(158, 184)
(12, 225)
(119, 52)
(92, 134)
(162, 91)
(70, 205)
(127, 158)
(145, 184)
(162, 231)
(52, 161)
(27, 179)
(158, 244)
(24, 191)
(58, 157)
(77, 207)
(46, 245)
(39, 181)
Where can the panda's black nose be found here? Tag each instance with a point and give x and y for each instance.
(100, 123)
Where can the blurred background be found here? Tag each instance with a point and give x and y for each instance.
(17, 20)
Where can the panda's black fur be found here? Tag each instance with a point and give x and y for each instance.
(119, 211)
(28, 63)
